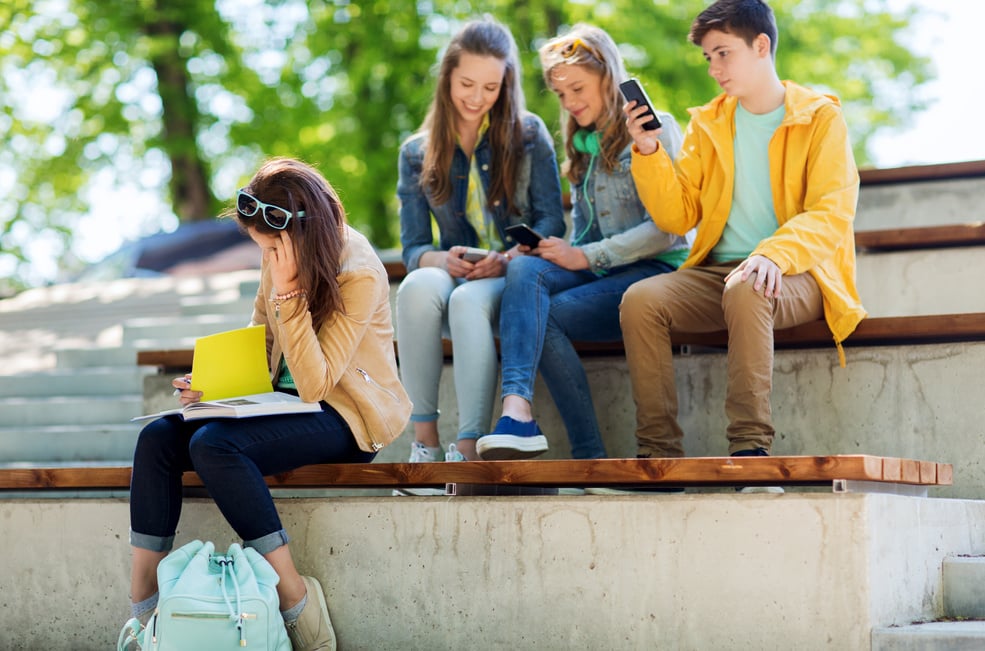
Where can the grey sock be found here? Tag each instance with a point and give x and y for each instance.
(291, 614)
(143, 610)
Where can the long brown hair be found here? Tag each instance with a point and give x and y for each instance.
(319, 236)
(593, 49)
(485, 37)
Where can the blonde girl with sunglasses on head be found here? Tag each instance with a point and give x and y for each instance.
(569, 290)
(479, 164)
(324, 301)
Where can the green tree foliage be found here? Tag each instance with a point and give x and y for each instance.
(185, 97)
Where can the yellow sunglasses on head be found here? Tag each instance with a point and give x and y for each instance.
(569, 49)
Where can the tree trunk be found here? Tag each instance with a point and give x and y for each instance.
(190, 194)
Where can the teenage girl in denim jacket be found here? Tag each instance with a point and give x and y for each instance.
(571, 290)
(479, 164)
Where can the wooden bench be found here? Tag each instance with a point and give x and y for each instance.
(882, 331)
(694, 471)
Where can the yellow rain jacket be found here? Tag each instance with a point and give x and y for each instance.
(815, 190)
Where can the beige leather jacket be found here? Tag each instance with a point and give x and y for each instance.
(349, 363)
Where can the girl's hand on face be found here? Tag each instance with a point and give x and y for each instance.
(279, 255)
(558, 251)
(636, 116)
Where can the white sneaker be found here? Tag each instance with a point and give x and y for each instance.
(453, 454)
(759, 489)
(639, 490)
(420, 453)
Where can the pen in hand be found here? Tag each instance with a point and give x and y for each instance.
(187, 382)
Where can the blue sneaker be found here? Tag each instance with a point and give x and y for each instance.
(512, 439)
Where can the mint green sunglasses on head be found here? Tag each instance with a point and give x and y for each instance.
(274, 216)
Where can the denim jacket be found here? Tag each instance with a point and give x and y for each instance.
(537, 197)
(623, 232)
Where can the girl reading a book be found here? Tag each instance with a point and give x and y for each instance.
(323, 299)
(479, 164)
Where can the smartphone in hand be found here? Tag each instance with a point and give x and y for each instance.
(524, 235)
(473, 254)
(633, 91)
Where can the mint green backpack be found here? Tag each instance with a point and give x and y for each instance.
(213, 602)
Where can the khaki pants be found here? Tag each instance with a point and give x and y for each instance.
(696, 299)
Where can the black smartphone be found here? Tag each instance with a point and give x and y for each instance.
(524, 235)
(633, 91)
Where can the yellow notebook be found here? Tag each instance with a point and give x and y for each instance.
(231, 364)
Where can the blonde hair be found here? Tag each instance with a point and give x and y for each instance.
(593, 49)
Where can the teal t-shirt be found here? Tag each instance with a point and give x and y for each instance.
(284, 379)
(752, 217)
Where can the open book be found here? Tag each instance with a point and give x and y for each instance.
(258, 404)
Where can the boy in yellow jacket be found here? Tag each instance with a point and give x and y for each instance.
(766, 175)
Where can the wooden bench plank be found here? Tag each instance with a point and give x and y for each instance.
(691, 471)
(945, 474)
(900, 239)
(918, 173)
(166, 358)
(936, 328)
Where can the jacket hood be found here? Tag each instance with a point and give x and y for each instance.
(801, 103)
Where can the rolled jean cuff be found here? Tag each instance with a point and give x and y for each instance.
(151, 543)
(468, 436)
(268, 543)
(424, 418)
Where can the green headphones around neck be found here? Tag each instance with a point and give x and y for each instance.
(586, 142)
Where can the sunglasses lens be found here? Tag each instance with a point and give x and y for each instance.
(275, 217)
(246, 204)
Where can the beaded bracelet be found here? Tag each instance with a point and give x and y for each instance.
(294, 293)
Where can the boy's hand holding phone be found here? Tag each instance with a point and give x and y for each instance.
(641, 119)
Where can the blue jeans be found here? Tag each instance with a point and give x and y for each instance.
(545, 307)
(432, 304)
(232, 456)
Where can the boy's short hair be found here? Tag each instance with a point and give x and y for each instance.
(746, 19)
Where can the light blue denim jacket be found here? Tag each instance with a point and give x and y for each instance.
(627, 232)
(537, 196)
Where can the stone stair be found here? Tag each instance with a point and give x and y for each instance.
(75, 384)
(962, 625)
(70, 384)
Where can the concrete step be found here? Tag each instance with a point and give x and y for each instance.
(95, 356)
(85, 381)
(69, 410)
(913, 402)
(182, 326)
(64, 443)
(669, 572)
(964, 587)
(930, 203)
(249, 288)
(921, 282)
(932, 636)
(232, 305)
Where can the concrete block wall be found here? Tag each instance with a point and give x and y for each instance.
(686, 572)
